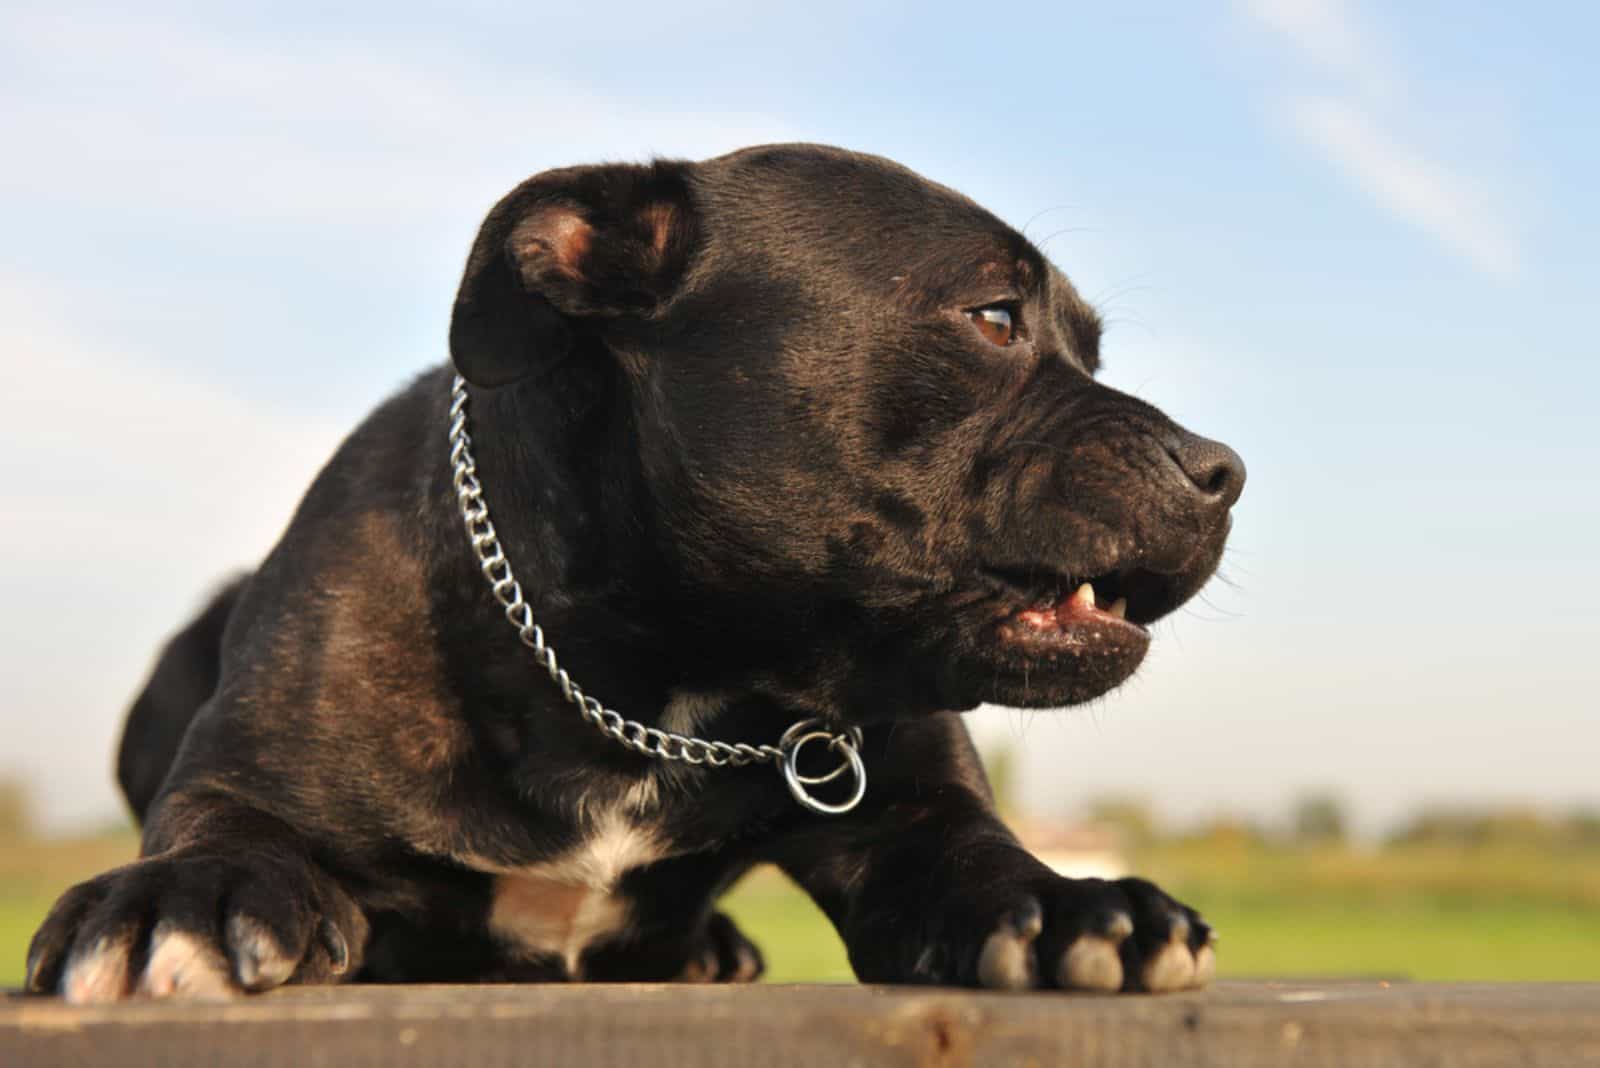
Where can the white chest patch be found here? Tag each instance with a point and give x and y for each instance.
(565, 905)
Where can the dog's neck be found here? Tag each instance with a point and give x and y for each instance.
(558, 461)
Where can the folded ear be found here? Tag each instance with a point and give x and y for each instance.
(566, 247)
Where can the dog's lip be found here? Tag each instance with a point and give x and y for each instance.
(1041, 614)
(1044, 599)
(1073, 621)
(1078, 606)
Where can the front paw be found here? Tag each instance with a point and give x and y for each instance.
(1071, 934)
(724, 956)
(196, 926)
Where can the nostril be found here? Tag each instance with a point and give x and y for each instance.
(1213, 468)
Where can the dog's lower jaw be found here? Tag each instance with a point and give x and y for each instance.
(955, 654)
(1006, 665)
(1059, 681)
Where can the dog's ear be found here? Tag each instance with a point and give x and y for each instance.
(566, 250)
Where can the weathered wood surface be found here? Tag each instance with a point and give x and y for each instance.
(1235, 1025)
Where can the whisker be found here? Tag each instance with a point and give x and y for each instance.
(1036, 216)
(1066, 230)
(1227, 580)
(1227, 615)
(1134, 284)
(1132, 319)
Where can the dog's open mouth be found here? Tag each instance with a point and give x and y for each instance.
(1046, 611)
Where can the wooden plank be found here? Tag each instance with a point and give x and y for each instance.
(1235, 1025)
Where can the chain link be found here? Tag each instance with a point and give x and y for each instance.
(640, 737)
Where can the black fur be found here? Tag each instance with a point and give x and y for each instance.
(740, 439)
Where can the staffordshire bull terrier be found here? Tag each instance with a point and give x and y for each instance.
(793, 455)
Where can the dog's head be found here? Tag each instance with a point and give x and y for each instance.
(866, 414)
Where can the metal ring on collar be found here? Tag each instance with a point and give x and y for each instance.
(795, 739)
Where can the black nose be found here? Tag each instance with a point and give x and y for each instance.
(1214, 469)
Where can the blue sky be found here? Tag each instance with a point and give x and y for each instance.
(1356, 241)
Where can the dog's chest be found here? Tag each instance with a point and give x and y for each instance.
(561, 907)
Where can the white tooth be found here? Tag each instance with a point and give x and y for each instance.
(1084, 596)
(1119, 608)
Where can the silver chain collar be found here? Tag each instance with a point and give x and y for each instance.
(640, 737)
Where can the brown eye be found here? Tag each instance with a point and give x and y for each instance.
(994, 323)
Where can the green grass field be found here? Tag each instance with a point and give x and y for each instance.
(1416, 913)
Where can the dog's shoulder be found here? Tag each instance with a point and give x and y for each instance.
(332, 659)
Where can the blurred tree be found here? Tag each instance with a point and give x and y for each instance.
(1583, 827)
(1129, 817)
(1319, 820)
(1518, 826)
(1441, 825)
(1231, 833)
(1465, 827)
(16, 810)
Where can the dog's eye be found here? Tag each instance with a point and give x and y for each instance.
(994, 323)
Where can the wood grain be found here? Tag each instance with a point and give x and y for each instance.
(1235, 1025)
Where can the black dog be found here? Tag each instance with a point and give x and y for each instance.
(792, 434)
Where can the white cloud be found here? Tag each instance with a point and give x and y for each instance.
(1420, 190)
(1325, 32)
(1358, 129)
(322, 135)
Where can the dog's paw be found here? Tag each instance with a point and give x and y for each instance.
(195, 926)
(1089, 934)
(725, 956)
(1067, 934)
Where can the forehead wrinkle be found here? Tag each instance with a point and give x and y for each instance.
(946, 275)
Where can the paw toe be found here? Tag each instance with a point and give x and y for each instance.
(747, 966)
(1117, 926)
(1172, 967)
(1006, 961)
(1091, 962)
(701, 968)
(727, 957)
(182, 963)
(1187, 961)
(259, 959)
(1205, 965)
(336, 945)
(99, 971)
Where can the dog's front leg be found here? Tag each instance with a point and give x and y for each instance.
(928, 886)
(226, 899)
